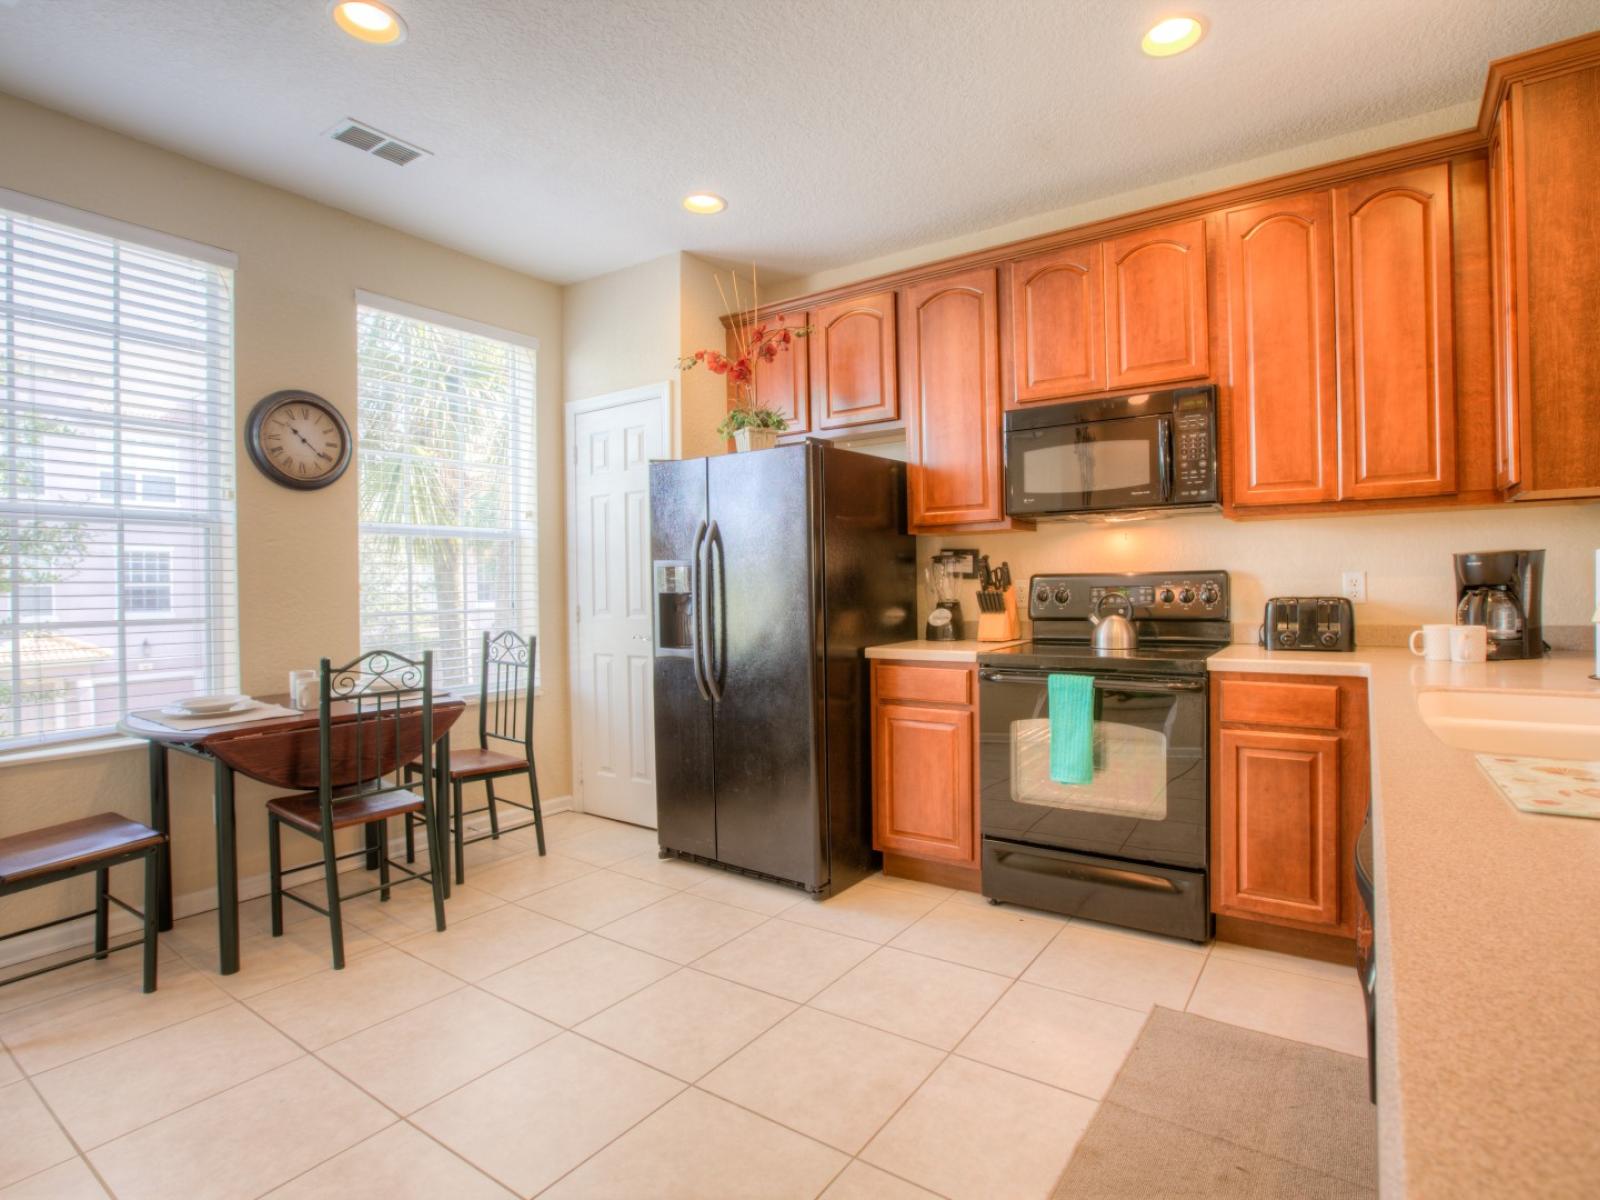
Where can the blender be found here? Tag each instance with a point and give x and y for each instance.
(944, 619)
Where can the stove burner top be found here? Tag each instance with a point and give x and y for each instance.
(1187, 658)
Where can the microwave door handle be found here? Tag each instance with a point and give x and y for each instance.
(1164, 457)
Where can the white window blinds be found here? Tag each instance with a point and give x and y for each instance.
(117, 558)
(449, 542)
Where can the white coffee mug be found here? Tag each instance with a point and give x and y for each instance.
(305, 689)
(1435, 646)
(1469, 643)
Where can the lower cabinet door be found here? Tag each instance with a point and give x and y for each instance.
(922, 795)
(1277, 847)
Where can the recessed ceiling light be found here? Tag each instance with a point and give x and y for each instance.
(369, 21)
(1172, 36)
(704, 203)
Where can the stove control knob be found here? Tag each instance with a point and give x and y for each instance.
(1063, 594)
(1209, 594)
(1167, 595)
(1042, 596)
(1186, 595)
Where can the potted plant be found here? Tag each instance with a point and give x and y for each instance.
(752, 428)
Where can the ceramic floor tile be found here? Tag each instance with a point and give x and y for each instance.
(1118, 967)
(925, 999)
(999, 939)
(514, 878)
(9, 1071)
(975, 1133)
(578, 978)
(789, 960)
(244, 1141)
(267, 962)
(409, 910)
(687, 1023)
(32, 1140)
(56, 1031)
(67, 980)
(915, 886)
(875, 914)
(681, 927)
(1067, 1041)
(827, 1077)
(568, 825)
(413, 1059)
(532, 1120)
(758, 895)
(1323, 1012)
(602, 847)
(71, 1180)
(395, 1163)
(859, 1181)
(597, 899)
(480, 946)
(675, 873)
(310, 940)
(1293, 963)
(326, 1008)
(110, 1093)
(697, 1147)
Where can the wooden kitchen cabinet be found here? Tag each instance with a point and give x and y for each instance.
(784, 384)
(1058, 345)
(1289, 791)
(1282, 373)
(1155, 308)
(1396, 335)
(1545, 222)
(924, 770)
(852, 362)
(950, 385)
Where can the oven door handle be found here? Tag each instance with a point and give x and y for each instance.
(1109, 682)
(1045, 863)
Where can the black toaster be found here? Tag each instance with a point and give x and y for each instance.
(1309, 623)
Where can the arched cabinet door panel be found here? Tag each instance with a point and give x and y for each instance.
(853, 362)
(1156, 327)
(1396, 335)
(1058, 343)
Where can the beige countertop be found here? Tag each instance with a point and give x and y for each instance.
(1488, 943)
(924, 651)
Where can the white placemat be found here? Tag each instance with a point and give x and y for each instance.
(1560, 787)
(264, 712)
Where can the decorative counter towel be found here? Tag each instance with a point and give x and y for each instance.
(1071, 728)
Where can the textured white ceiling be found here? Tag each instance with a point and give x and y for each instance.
(566, 131)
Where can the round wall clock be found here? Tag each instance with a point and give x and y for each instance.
(298, 439)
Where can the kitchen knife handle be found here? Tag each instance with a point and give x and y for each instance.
(697, 603)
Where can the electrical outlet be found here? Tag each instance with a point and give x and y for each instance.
(1354, 588)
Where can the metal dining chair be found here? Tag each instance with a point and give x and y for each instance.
(505, 715)
(386, 711)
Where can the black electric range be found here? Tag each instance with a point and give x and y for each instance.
(1130, 846)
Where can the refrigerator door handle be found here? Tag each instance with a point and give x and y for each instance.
(696, 642)
(716, 627)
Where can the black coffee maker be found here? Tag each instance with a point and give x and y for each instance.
(1501, 590)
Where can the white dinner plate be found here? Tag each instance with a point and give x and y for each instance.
(200, 706)
(242, 704)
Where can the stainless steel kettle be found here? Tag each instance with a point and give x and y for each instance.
(1113, 631)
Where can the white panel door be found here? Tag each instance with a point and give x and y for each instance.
(612, 450)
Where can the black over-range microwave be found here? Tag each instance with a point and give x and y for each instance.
(1151, 452)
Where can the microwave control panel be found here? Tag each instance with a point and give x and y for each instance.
(1194, 458)
(1199, 595)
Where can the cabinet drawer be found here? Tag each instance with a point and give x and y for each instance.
(929, 685)
(1286, 704)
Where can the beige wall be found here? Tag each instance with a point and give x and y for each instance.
(300, 264)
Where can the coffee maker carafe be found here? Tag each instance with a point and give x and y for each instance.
(944, 618)
(1500, 590)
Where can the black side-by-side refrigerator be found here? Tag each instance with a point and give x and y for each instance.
(772, 571)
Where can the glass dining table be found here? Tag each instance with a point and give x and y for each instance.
(259, 749)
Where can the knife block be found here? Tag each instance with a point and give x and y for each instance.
(1001, 626)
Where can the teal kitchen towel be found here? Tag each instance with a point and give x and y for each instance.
(1071, 728)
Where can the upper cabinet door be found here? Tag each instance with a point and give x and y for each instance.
(1396, 335)
(1156, 328)
(784, 384)
(1282, 375)
(950, 369)
(1058, 345)
(853, 362)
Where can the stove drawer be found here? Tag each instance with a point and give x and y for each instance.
(1164, 900)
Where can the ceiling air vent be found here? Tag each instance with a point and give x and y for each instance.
(371, 141)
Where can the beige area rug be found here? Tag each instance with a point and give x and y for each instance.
(1203, 1109)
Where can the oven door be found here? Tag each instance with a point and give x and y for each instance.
(1089, 466)
(1147, 801)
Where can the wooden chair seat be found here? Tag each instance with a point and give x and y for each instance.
(304, 811)
(471, 762)
(71, 844)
